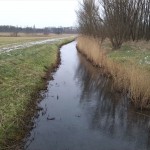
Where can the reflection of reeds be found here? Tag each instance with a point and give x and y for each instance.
(126, 77)
(107, 112)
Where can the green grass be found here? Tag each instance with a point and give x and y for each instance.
(21, 73)
(130, 54)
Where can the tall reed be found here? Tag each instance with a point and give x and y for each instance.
(129, 78)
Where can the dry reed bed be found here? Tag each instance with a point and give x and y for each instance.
(129, 78)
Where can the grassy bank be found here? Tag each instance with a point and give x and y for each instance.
(129, 66)
(21, 77)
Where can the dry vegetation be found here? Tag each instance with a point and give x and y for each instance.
(110, 25)
(22, 38)
(21, 34)
(117, 20)
(124, 66)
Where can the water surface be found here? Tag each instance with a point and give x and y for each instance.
(81, 111)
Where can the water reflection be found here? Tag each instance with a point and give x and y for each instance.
(108, 111)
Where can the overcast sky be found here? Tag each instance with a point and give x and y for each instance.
(41, 13)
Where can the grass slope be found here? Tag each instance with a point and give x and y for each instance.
(137, 53)
(21, 73)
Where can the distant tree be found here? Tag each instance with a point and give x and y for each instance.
(46, 31)
(15, 30)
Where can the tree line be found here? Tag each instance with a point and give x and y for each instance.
(47, 30)
(118, 20)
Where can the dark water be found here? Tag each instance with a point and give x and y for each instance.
(86, 113)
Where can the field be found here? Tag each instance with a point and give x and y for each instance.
(129, 66)
(22, 75)
(21, 34)
(8, 40)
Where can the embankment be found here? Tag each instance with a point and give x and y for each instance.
(23, 73)
(123, 66)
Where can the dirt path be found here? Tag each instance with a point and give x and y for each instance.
(28, 44)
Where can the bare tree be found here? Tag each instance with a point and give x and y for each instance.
(119, 20)
(89, 20)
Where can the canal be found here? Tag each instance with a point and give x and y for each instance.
(82, 111)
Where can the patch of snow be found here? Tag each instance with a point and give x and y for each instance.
(147, 62)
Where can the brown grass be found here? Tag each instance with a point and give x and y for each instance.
(90, 47)
(128, 77)
(9, 41)
(21, 34)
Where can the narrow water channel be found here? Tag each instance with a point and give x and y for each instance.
(81, 111)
